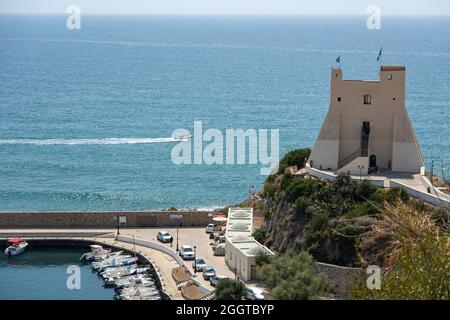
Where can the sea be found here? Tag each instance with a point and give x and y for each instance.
(50, 273)
(76, 106)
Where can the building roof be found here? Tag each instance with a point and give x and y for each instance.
(239, 232)
(393, 68)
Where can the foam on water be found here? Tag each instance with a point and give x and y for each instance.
(44, 142)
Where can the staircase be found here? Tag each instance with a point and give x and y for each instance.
(343, 162)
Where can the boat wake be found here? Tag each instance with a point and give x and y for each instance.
(46, 142)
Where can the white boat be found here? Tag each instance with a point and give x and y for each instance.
(138, 292)
(110, 277)
(139, 279)
(96, 250)
(114, 262)
(16, 246)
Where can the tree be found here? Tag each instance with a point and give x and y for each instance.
(292, 276)
(228, 289)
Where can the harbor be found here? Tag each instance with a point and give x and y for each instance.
(142, 243)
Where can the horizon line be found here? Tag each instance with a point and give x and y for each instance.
(234, 14)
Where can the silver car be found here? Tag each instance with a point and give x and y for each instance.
(208, 272)
(198, 264)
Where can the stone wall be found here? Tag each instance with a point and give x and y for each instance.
(134, 219)
(339, 278)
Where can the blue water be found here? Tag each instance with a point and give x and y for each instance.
(144, 76)
(41, 273)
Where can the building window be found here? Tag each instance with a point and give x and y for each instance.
(339, 99)
(367, 99)
(390, 77)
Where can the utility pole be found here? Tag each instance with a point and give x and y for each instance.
(432, 171)
(118, 223)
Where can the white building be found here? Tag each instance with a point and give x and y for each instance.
(241, 248)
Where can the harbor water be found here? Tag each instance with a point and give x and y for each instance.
(42, 273)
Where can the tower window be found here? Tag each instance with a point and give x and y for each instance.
(390, 77)
(339, 99)
(367, 99)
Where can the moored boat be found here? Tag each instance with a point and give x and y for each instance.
(16, 246)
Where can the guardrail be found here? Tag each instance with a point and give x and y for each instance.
(427, 197)
(154, 246)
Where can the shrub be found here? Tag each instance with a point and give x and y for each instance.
(417, 257)
(301, 187)
(228, 289)
(259, 235)
(292, 276)
(301, 205)
(294, 158)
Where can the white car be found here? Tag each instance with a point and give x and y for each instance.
(254, 294)
(164, 236)
(187, 253)
(199, 264)
(210, 228)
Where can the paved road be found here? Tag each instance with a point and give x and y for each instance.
(191, 236)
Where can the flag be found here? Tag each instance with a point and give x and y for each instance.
(338, 59)
(379, 54)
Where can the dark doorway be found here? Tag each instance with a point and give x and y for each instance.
(373, 163)
(365, 132)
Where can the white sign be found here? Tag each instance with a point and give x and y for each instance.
(123, 220)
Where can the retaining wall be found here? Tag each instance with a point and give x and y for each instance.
(105, 219)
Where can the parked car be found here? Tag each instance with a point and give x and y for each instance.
(210, 228)
(208, 272)
(198, 264)
(187, 253)
(254, 293)
(214, 280)
(219, 250)
(164, 236)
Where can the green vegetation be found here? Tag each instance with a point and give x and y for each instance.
(259, 235)
(294, 158)
(332, 210)
(228, 289)
(417, 257)
(292, 276)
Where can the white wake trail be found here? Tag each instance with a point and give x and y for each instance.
(46, 142)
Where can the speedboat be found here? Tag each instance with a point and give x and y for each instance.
(16, 246)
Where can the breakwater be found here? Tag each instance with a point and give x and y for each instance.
(104, 219)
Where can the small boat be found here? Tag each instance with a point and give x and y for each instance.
(96, 251)
(115, 262)
(16, 246)
(134, 280)
(110, 277)
(138, 291)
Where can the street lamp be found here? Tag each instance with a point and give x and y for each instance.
(118, 223)
(178, 227)
(195, 259)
